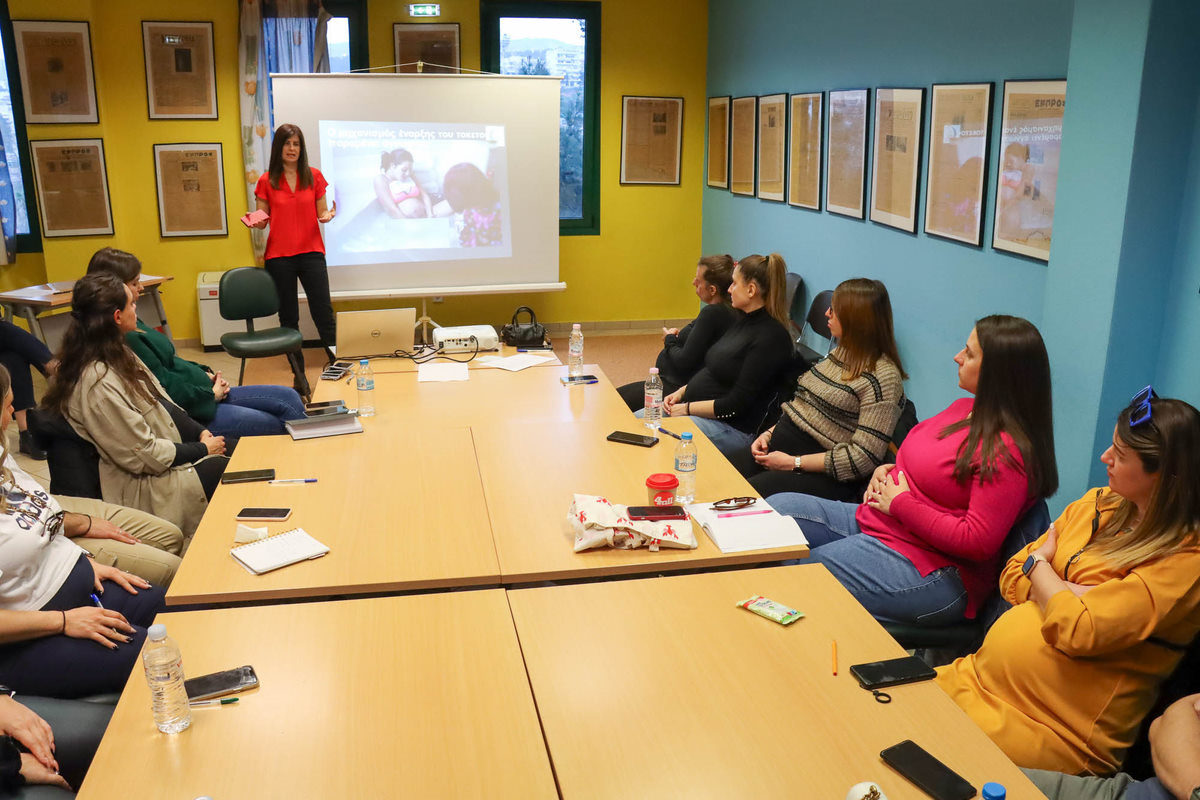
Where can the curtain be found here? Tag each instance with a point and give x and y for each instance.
(275, 36)
(8, 203)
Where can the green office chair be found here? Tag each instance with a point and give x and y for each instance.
(247, 293)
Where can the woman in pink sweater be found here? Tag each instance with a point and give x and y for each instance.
(924, 545)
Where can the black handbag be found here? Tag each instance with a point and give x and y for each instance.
(523, 334)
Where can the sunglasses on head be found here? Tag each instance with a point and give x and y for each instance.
(1140, 406)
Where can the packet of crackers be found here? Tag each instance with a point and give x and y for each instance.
(777, 612)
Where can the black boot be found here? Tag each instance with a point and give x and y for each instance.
(30, 448)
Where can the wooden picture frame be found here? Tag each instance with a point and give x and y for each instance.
(846, 152)
(806, 117)
(190, 179)
(72, 187)
(771, 172)
(58, 84)
(651, 140)
(181, 77)
(742, 135)
(718, 142)
(896, 157)
(960, 118)
(1027, 173)
(434, 43)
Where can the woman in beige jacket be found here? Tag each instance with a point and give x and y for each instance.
(152, 455)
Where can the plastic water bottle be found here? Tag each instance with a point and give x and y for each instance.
(164, 673)
(366, 389)
(653, 394)
(685, 469)
(575, 352)
(994, 791)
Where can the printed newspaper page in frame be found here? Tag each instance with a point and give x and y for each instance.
(181, 82)
(960, 115)
(804, 150)
(435, 45)
(57, 82)
(191, 190)
(1030, 145)
(718, 142)
(741, 146)
(772, 146)
(72, 187)
(896, 157)
(846, 158)
(651, 139)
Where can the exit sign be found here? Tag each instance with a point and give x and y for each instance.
(424, 10)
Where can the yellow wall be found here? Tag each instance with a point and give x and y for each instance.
(637, 268)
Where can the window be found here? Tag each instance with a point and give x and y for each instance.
(557, 38)
(16, 145)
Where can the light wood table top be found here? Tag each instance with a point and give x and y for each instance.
(384, 366)
(695, 697)
(417, 696)
(58, 294)
(531, 470)
(400, 509)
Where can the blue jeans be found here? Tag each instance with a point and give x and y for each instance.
(884, 581)
(255, 411)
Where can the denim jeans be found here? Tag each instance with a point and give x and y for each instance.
(1057, 786)
(255, 411)
(884, 581)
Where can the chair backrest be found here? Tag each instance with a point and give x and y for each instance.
(815, 323)
(1184, 681)
(795, 303)
(74, 462)
(247, 293)
(908, 420)
(1028, 529)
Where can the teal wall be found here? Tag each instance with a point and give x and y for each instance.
(1118, 231)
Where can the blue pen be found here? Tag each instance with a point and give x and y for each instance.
(670, 433)
(96, 600)
(293, 480)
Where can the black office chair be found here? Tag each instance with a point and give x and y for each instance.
(816, 322)
(74, 462)
(246, 294)
(1184, 681)
(794, 300)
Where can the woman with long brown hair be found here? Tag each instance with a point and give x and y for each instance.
(924, 545)
(837, 428)
(1104, 604)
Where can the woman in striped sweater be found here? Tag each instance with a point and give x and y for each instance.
(836, 430)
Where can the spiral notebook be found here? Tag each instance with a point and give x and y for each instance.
(289, 547)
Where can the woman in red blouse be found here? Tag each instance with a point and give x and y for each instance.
(294, 195)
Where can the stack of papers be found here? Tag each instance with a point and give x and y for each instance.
(755, 527)
(518, 362)
(327, 425)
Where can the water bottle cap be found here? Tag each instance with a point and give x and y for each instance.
(654, 370)
(687, 436)
(157, 632)
(364, 362)
(994, 791)
(575, 327)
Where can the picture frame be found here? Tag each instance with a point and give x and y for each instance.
(181, 77)
(718, 142)
(771, 173)
(434, 43)
(190, 179)
(846, 152)
(743, 133)
(806, 118)
(960, 118)
(58, 84)
(1030, 146)
(896, 157)
(651, 140)
(72, 187)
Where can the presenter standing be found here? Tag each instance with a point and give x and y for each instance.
(293, 194)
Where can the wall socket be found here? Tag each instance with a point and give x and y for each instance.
(438, 299)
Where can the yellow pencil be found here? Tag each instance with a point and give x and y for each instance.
(835, 656)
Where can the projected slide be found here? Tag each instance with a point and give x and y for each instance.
(411, 192)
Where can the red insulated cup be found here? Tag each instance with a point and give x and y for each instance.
(660, 489)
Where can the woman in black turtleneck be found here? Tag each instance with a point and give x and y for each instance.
(728, 397)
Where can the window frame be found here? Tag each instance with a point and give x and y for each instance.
(490, 13)
(356, 12)
(26, 242)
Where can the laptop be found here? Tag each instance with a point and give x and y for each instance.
(375, 333)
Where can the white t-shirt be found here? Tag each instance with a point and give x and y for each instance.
(33, 564)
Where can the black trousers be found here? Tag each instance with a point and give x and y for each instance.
(20, 350)
(789, 439)
(313, 275)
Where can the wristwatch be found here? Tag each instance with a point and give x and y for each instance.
(1030, 563)
(797, 468)
(7, 691)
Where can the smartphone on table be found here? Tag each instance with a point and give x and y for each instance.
(219, 684)
(893, 672)
(248, 476)
(324, 404)
(658, 513)
(632, 438)
(578, 379)
(930, 775)
(263, 514)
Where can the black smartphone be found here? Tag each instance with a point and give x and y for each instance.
(932, 776)
(657, 513)
(893, 672)
(219, 684)
(263, 514)
(578, 379)
(324, 404)
(632, 438)
(248, 476)
(334, 373)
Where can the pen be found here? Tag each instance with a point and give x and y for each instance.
(670, 433)
(835, 656)
(96, 600)
(222, 701)
(293, 480)
(533, 349)
(752, 512)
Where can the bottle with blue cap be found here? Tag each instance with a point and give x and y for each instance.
(685, 469)
(994, 791)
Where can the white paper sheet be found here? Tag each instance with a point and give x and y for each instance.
(518, 362)
(442, 372)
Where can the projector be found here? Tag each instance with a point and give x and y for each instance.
(462, 339)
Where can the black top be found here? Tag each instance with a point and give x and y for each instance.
(191, 449)
(683, 353)
(742, 369)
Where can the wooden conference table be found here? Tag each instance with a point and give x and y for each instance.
(33, 301)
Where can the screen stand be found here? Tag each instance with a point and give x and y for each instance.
(424, 322)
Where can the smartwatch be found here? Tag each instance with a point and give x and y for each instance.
(1030, 563)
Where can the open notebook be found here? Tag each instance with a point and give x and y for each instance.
(277, 551)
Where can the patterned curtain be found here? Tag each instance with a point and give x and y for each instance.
(276, 36)
(8, 204)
